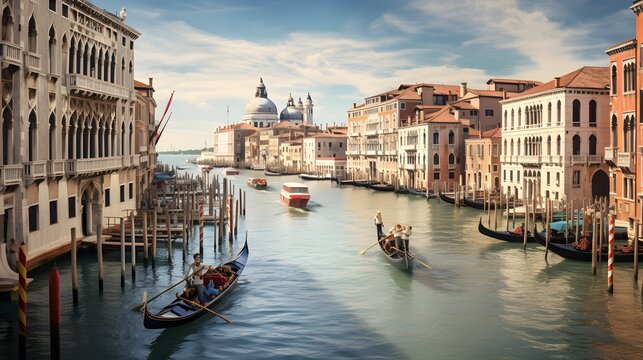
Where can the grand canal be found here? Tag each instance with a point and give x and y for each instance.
(307, 293)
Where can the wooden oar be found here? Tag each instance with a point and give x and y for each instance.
(139, 307)
(203, 307)
(412, 257)
(377, 242)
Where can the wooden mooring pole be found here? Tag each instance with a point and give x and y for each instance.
(54, 313)
(145, 239)
(610, 255)
(22, 302)
(154, 230)
(74, 270)
(122, 223)
(99, 255)
(133, 244)
(636, 251)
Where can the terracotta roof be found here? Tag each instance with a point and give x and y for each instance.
(463, 105)
(409, 92)
(293, 142)
(587, 77)
(473, 133)
(490, 93)
(513, 81)
(441, 116)
(493, 133)
(327, 135)
(142, 85)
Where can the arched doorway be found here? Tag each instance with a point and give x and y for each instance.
(90, 210)
(600, 184)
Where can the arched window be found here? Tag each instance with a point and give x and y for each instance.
(613, 85)
(548, 145)
(92, 63)
(52, 50)
(451, 159)
(78, 57)
(614, 125)
(52, 136)
(558, 145)
(436, 138)
(505, 152)
(576, 112)
(451, 138)
(33, 36)
(112, 69)
(123, 71)
(131, 138)
(72, 53)
(512, 119)
(122, 139)
(106, 67)
(592, 113)
(436, 159)
(626, 137)
(519, 116)
(512, 147)
(93, 134)
(592, 145)
(504, 125)
(518, 148)
(7, 25)
(33, 136)
(99, 65)
(7, 137)
(626, 80)
(63, 138)
(559, 110)
(576, 145)
(86, 60)
(549, 114)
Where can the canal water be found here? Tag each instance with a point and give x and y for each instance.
(307, 292)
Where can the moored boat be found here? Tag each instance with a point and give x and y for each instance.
(271, 173)
(230, 171)
(381, 187)
(180, 312)
(568, 251)
(446, 198)
(257, 183)
(504, 235)
(313, 177)
(294, 194)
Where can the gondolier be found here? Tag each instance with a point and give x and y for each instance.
(379, 224)
(197, 281)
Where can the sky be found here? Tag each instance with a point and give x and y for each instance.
(212, 52)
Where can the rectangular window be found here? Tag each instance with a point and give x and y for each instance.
(65, 10)
(518, 175)
(451, 174)
(131, 190)
(495, 168)
(123, 193)
(131, 45)
(330, 145)
(504, 175)
(436, 175)
(511, 176)
(402, 106)
(547, 178)
(471, 112)
(71, 205)
(33, 218)
(576, 178)
(488, 113)
(123, 41)
(53, 212)
(495, 150)
(613, 183)
(52, 5)
(557, 179)
(108, 197)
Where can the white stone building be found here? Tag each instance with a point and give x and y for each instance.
(323, 145)
(553, 138)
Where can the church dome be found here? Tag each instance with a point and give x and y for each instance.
(260, 105)
(291, 113)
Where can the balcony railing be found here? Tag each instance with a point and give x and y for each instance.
(142, 149)
(409, 166)
(134, 160)
(610, 154)
(145, 159)
(436, 166)
(532, 159)
(95, 165)
(55, 168)
(11, 174)
(594, 159)
(371, 152)
(451, 166)
(371, 132)
(35, 170)
(85, 85)
(625, 160)
(32, 62)
(578, 159)
(11, 53)
(451, 146)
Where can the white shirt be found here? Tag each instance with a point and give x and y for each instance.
(378, 219)
(406, 234)
(196, 279)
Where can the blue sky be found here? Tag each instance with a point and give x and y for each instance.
(212, 53)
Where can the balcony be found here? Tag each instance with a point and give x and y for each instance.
(436, 166)
(134, 160)
(610, 154)
(409, 167)
(532, 159)
(10, 174)
(32, 62)
(371, 152)
(142, 149)
(144, 159)
(451, 146)
(86, 86)
(55, 168)
(371, 132)
(594, 159)
(10, 53)
(93, 166)
(578, 159)
(625, 160)
(35, 170)
(451, 166)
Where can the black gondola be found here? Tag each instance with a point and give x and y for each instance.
(503, 235)
(398, 260)
(271, 173)
(444, 197)
(313, 177)
(569, 252)
(382, 187)
(402, 190)
(179, 312)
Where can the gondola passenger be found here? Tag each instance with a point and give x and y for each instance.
(396, 231)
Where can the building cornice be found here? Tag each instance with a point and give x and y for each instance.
(549, 92)
(105, 17)
(627, 45)
(637, 7)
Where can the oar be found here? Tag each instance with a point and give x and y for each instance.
(377, 242)
(413, 257)
(203, 307)
(138, 307)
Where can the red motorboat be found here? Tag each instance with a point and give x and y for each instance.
(295, 194)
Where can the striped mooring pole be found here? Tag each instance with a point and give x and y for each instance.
(610, 256)
(201, 228)
(54, 313)
(22, 303)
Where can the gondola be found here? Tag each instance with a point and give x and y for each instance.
(271, 173)
(480, 204)
(313, 177)
(179, 312)
(399, 261)
(381, 187)
(402, 191)
(503, 235)
(569, 252)
(416, 192)
(444, 197)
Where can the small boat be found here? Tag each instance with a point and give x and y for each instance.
(503, 235)
(257, 183)
(402, 190)
(398, 260)
(381, 187)
(480, 204)
(230, 171)
(294, 194)
(568, 251)
(313, 177)
(449, 199)
(417, 192)
(181, 168)
(271, 173)
(180, 312)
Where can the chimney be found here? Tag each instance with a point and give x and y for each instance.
(463, 89)
(151, 81)
(354, 105)
(557, 81)
(504, 95)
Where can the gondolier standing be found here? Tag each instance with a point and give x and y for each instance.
(406, 234)
(379, 224)
(195, 270)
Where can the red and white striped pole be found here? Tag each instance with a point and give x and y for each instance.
(610, 256)
(201, 228)
(22, 302)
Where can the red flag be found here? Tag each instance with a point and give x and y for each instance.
(156, 128)
(161, 133)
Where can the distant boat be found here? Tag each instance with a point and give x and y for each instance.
(257, 183)
(295, 194)
(181, 168)
(313, 177)
(382, 187)
(230, 171)
(271, 173)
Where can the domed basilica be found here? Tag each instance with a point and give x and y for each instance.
(262, 112)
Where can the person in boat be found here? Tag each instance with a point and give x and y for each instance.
(189, 292)
(396, 232)
(196, 268)
(379, 224)
(406, 234)
(519, 229)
